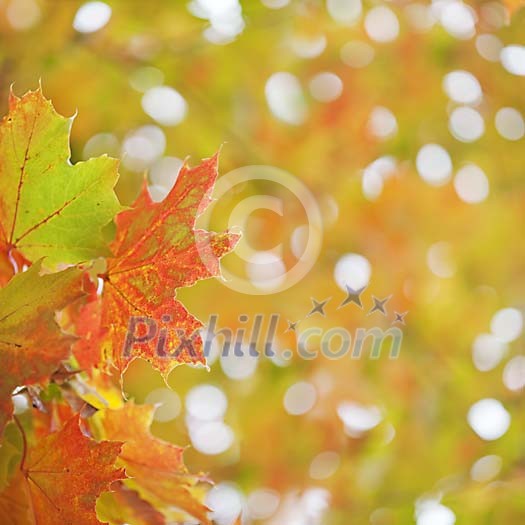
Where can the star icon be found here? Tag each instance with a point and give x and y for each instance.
(379, 305)
(318, 307)
(399, 317)
(292, 327)
(353, 296)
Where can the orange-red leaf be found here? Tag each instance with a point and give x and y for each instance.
(156, 251)
(62, 476)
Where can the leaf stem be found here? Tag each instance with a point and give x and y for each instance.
(12, 260)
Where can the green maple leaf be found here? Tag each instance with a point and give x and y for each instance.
(49, 207)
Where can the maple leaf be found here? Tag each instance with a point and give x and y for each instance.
(63, 474)
(157, 250)
(49, 207)
(31, 343)
(155, 467)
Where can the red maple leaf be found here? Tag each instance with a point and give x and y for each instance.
(156, 251)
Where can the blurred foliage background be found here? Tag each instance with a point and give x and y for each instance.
(405, 121)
